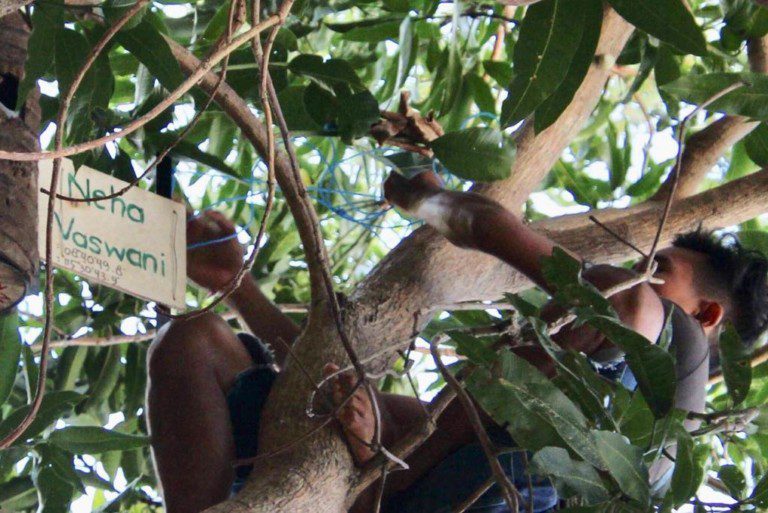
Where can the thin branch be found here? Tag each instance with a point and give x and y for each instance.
(138, 123)
(678, 163)
(510, 493)
(469, 501)
(49, 285)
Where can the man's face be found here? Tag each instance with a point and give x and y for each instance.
(677, 267)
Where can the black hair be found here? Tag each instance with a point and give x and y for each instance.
(738, 273)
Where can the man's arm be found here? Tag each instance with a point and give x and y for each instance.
(474, 221)
(213, 267)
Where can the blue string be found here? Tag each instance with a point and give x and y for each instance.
(362, 208)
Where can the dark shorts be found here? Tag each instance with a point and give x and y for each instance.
(439, 490)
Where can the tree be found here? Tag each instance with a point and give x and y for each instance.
(586, 80)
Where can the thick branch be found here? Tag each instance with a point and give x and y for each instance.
(9, 6)
(704, 148)
(425, 269)
(295, 193)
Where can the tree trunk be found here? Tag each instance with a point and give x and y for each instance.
(18, 180)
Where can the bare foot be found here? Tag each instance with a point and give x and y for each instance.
(356, 416)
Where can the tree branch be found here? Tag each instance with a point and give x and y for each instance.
(294, 192)
(704, 148)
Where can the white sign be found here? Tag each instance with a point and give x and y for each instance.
(135, 242)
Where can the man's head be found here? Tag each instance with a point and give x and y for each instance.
(715, 279)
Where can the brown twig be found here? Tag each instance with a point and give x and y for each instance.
(617, 236)
(49, 288)
(138, 123)
(469, 501)
(510, 493)
(676, 169)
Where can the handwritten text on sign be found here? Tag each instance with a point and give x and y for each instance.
(135, 242)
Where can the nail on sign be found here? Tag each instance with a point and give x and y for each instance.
(135, 242)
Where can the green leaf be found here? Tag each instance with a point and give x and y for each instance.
(579, 476)
(733, 478)
(406, 46)
(94, 440)
(149, 46)
(14, 488)
(54, 492)
(668, 20)
(749, 100)
(563, 275)
(500, 71)
(759, 495)
(688, 473)
(756, 144)
(528, 390)
(548, 112)
(105, 382)
(735, 360)
(624, 463)
(653, 367)
(481, 93)
(356, 114)
(550, 34)
(10, 351)
(756, 240)
(292, 104)
(478, 154)
(328, 73)
(477, 350)
(55, 405)
(47, 23)
(374, 33)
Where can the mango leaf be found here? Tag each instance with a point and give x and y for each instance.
(653, 367)
(733, 478)
(406, 47)
(550, 34)
(500, 71)
(374, 33)
(567, 473)
(526, 386)
(624, 463)
(47, 23)
(15, 487)
(688, 473)
(10, 351)
(735, 360)
(106, 380)
(292, 100)
(668, 20)
(759, 495)
(356, 114)
(325, 73)
(149, 46)
(94, 440)
(477, 350)
(548, 112)
(368, 22)
(563, 275)
(748, 100)
(55, 405)
(756, 144)
(54, 491)
(756, 240)
(481, 93)
(479, 154)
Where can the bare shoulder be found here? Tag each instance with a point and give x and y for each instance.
(639, 307)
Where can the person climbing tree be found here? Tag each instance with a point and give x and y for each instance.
(200, 369)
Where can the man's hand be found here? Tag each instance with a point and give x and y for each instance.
(213, 266)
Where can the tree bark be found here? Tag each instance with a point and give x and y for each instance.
(9, 6)
(19, 260)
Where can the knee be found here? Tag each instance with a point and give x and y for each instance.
(184, 345)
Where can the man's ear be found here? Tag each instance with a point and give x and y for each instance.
(710, 313)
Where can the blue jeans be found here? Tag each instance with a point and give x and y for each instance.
(438, 491)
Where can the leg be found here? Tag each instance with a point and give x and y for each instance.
(192, 365)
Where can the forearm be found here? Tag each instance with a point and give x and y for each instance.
(264, 318)
(471, 220)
